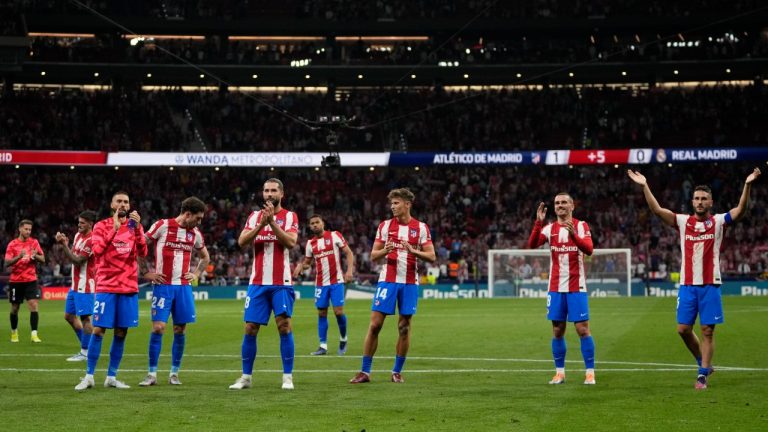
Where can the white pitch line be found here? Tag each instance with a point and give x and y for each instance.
(350, 371)
(669, 366)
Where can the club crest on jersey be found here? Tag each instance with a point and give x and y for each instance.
(280, 223)
(189, 236)
(708, 223)
(413, 233)
(327, 241)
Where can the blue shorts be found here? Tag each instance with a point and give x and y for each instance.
(407, 296)
(263, 299)
(334, 293)
(111, 310)
(570, 306)
(703, 300)
(80, 304)
(176, 300)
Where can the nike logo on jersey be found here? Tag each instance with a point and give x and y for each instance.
(583, 314)
(718, 317)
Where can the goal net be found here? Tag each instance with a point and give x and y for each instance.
(525, 272)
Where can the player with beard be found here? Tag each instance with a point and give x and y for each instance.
(21, 256)
(272, 232)
(701, 237)
(117, 244)
(325, 249)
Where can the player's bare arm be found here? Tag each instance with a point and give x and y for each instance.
(739, 210)
(205, 258)
(303, 265)
(63, 240)
(380, 250)
(349, 276)
(156, 278)
(666, 215)
(38, 256)
(427, 252)
(247, 236)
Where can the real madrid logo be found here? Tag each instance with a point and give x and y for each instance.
(661, 156)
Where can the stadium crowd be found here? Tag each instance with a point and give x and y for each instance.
(552, 118)
(469, 209)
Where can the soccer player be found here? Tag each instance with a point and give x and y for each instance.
(79, 306)
(117, 242)
(272, 232)
(22, 254)
(401, 240)
(701, 237)
(174, 240)
(569, 240)
(324, 248)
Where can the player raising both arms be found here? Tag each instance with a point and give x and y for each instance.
(325, 249)
(569, 240)
(701, 237)
(401, 241)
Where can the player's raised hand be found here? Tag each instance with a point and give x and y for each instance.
(569, 227)
(61, 238)
(389, 246)
(637, 177)
(116, 220)
(541, 212)
(753, 176)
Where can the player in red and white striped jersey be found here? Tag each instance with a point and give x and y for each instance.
(569, 240)
(272, 232)
(402, 241)
(80, 299)
(325, 249)
(174, 241)
(701, 237)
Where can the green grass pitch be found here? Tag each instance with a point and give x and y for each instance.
(474, 365)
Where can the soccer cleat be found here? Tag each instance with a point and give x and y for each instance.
(320, 351)
(589, 379)
(173, 379)
(35, 338)
(557, 379)
(14, 336)
(360, 378)
(85, 383)
(149, 380)
(397, 378)
(77, 357)
(701, 382)
(287, 382)
(241, 383)
(114, 383)
(342, 347)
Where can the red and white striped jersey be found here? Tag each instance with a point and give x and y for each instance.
(270, 259)
(326, 251)
(566, 267)
(84, 275)
(401, 266)
(700, 243)
(173, 249)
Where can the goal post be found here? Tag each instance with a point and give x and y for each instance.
(525, 272)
